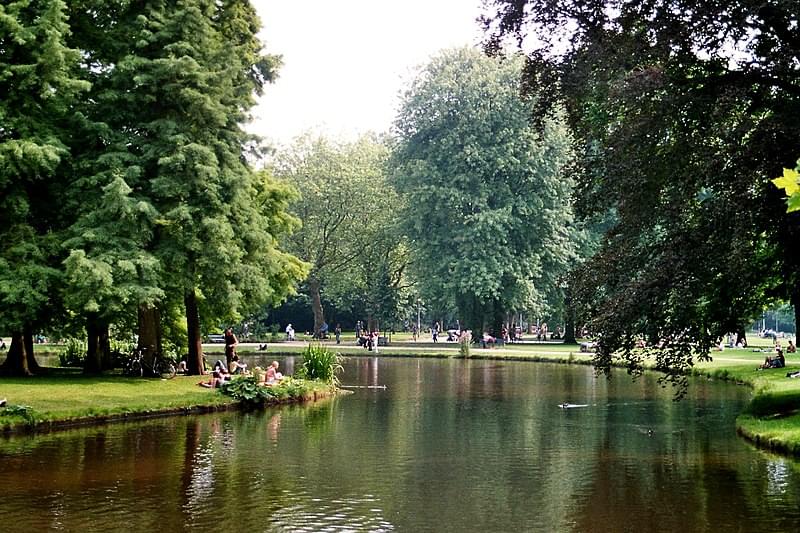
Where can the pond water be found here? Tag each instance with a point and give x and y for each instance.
(447, 446)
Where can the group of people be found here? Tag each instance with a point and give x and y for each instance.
(223, 372)
(368, 340)
(488, 338)
(220, 374)
(778, 360)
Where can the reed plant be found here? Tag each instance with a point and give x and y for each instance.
(464, 342)
(320, 363)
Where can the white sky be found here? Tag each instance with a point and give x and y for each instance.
(345, 61)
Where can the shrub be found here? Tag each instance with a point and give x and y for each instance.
(120, 352)
(73, 353)
(26, 412)
(275, 332)
(464, 344)
(246, 389)
(320, 363)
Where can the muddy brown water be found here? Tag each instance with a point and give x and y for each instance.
(446, 446)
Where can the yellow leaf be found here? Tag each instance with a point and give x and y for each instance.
(788, 181)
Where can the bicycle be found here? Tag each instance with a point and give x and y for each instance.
(139, 366)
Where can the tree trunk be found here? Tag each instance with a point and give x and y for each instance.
(741, 338)
(470, 309)
(194, 363)
(98, 353)
(569, 319)
(149, 331)
(497, 317)
(33, 365)
(316, 304)
(16, 363)
(795, 300)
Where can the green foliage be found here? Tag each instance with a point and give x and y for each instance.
(246, 389)
(249, 391)
(684, 111)
(486, 193)
(350, 234)
(40, 87)
(26, 412)
(320, 363)
(274, 332)
(73, 353)
(170, 184)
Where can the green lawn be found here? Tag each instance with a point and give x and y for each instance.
(65, 396)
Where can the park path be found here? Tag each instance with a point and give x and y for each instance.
(411, 347)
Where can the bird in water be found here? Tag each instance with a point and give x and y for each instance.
(567, 405)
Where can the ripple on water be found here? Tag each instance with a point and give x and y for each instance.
(342, 514)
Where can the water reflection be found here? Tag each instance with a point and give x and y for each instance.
(449, 445)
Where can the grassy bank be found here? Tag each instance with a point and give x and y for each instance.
(62, 399)
(772, 419)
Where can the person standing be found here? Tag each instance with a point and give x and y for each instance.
(338, 333)
(230, 346)
(289, 333)
(435, 332)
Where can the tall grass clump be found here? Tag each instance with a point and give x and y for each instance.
(73, 353)
(464, 343)
(320, 363)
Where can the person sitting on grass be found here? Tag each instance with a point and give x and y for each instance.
(273, 376)
(779, 361)
(215, 380)
(237, 367)
(791, 348)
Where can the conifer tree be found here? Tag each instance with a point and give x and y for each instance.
(174, 88)
(39, 86)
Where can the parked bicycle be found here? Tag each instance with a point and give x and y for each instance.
(159, 367)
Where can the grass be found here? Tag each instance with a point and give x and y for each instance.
(62, 397)
(68, 397)
(780, 433)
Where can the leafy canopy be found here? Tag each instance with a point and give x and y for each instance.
(486, 195)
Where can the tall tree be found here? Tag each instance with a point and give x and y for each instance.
(342, 203)
(39, 86)
(487, 198)
(685, 110)
(175, 84)
(109, 269)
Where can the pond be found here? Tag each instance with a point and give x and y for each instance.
(447, 445)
